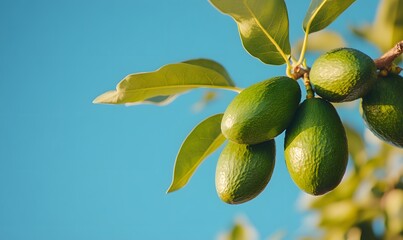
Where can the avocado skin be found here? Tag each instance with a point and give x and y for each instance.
(382, 109)
(262, 111)
(243, 171)
(315, 147)
(343, 74)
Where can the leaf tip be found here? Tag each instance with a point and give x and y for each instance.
(172, 188)
(110, 97)
(96, 100)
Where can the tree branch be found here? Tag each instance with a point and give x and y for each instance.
(386, 60)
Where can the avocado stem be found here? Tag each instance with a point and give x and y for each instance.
(309, 91)
(386, 60)
(299, 71)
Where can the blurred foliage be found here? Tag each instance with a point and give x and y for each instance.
(241, 230)
(387, 28)
(367, 205)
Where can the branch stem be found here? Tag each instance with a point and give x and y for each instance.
(386, 60)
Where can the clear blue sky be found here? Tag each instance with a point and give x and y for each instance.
(73, 170)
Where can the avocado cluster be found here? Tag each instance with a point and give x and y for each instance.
(346, 74)
(251, 122)
(315, 144)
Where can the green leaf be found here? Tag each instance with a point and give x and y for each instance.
(321, 13)
(203, 140)
(210, 64)
(167, 82)
(263, 26)
(158, 100)
(387, 29)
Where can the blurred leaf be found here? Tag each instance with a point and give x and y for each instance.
(241, 230)
(394, 211)
(203, 140)
(354, 234)
(167, 82)
(207, 97)
(321, 13)
(369, 213)
(334, 234)
(356, 146)
(238, 233)
(263, 26)
(322, 41)
(345, 190)
(380, 159)
(342, 214)
(387, 29)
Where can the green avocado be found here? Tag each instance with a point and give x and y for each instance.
(315, 147)
(243, 171)
(382, 109)
(342, 75)
(261, 111)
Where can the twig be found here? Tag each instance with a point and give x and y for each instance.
(386, 60)
(299, 71)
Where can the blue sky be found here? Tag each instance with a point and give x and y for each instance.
(70, 169)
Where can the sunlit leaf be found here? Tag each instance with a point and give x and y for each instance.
(167, 82)
(203, 140)
(387, 29)
(321, 13)
(212, 65)
(263, 26)
(322, 41)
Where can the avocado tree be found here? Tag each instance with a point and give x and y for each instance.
(317, 145)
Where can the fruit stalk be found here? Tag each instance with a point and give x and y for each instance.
(386, 60)
(309, 91)
(299, 72)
